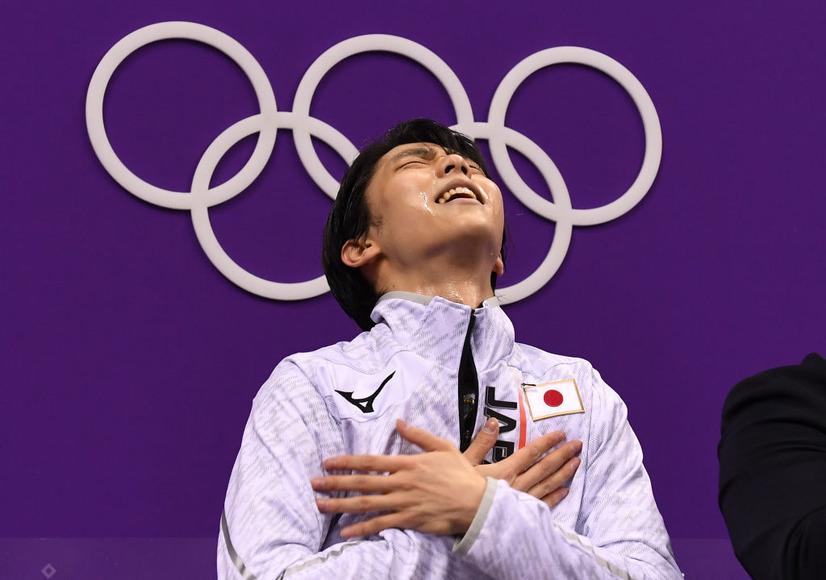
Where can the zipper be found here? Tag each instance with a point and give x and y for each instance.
(468, 389)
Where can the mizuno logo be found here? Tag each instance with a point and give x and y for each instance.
(366, 404)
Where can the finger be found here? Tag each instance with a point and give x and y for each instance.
(377, 463)
(548, 466)
(360, 483)
(533, 451)
(371, 526)
(427, 441)
(361, 504)
(556, 480)
(483, 442)
(553, 498)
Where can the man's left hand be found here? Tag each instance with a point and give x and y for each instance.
(438, 491)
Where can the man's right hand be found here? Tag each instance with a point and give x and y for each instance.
(526, 470)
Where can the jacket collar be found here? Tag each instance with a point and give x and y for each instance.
(435, 328)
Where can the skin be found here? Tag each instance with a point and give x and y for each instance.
(416, 244)
(439, 491)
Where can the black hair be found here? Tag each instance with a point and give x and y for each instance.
(349, 218)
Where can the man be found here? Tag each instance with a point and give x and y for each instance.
(362, 459)
(773, 471)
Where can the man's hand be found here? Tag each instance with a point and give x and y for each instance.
(524, 470)
(438, 491)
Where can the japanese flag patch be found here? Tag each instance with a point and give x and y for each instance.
(553, 399)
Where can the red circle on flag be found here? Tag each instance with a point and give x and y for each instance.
(553, 398)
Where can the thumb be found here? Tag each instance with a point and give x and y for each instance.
(483, 442)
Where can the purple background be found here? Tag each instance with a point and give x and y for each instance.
(129, 363)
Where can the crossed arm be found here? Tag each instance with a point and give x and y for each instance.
(440, 491)
(271, 528)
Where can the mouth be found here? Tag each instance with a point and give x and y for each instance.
(461, 192)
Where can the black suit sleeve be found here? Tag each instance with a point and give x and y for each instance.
(772, 456)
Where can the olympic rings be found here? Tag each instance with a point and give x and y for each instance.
(190, 31)
(201, 196)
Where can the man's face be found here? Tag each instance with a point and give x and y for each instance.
(423, 200)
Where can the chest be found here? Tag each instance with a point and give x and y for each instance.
(426, 394)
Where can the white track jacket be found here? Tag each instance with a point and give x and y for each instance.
(345, 399)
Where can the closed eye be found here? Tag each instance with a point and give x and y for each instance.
(414, 155)
(412, 163)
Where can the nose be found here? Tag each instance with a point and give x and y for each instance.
(453, 162)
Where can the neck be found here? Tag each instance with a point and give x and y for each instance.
(451, 283)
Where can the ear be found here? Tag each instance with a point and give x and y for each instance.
(499, 266)
(359, 252)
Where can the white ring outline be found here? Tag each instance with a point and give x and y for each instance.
(303, 126)
(645, 106)
(203, 227)
(206, 35)
(563, 228)
(351, 47)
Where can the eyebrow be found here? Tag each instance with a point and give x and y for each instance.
(423, 152)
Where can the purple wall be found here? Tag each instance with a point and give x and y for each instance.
(129, 362)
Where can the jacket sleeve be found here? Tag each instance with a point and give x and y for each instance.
(271, 527)
(619, 533)
(772, 454)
